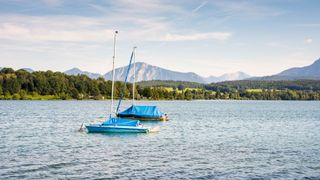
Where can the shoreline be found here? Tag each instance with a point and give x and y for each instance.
(182, 100)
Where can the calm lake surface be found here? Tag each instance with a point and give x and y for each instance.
(203, 139)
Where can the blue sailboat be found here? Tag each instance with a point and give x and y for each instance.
(116, 124)
(143, 113)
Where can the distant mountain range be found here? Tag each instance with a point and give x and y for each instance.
(307, 72)
(147, 72)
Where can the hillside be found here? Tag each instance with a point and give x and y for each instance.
(311, 72)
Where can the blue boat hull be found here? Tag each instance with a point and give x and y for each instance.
(115, 129)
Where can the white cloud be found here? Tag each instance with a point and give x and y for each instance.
(136, 8)
(127, 16)
(30, 28)
(149, 6)
(85, 29)
(308, 41)
(277, 45)
(247, 8)
(53, 2)
(312, 25)
(199, 7)
(16, 32)
(221, 36)
(79, 29)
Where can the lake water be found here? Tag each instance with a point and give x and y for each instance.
(203, 139)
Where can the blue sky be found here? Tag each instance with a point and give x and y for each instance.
(207, 37)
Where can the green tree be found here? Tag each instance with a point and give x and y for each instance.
(188, 95)
(181, 87)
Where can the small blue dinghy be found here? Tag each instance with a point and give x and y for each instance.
(118, 125)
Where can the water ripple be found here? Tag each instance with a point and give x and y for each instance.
(203, 140)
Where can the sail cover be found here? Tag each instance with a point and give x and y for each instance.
(120, 122)
(141, 112)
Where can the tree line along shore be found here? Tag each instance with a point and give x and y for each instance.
(48, 85)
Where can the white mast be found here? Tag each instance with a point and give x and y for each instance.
(134, 73)
(113, 73)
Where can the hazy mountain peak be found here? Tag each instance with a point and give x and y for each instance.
(317, 62)
(311, 71)
(228, 77)
(306, 72)
(142, 63)
(28, 70)
(73, 71)
(77, 71)
(147, 72)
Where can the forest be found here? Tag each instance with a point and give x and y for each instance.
(49, 85)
